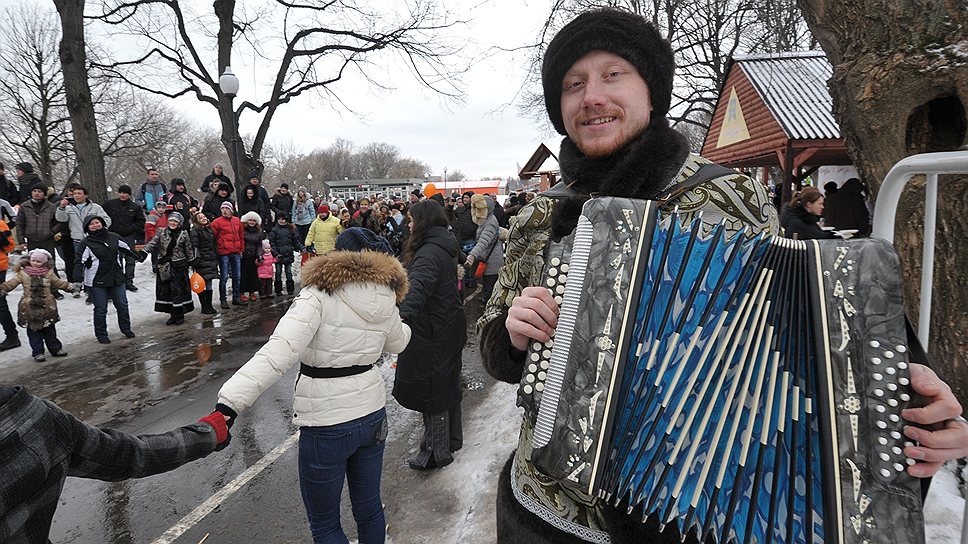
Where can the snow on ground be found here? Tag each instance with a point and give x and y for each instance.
(944, 508)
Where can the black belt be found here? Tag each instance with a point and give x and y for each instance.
(328, 372)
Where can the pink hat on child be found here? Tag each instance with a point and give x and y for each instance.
(40, 255)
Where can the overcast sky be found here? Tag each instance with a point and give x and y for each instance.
(478, 137)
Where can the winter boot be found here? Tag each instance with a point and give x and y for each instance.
(224, 304)
(205, 298)
(278, 286)
(10, 342)
(178, 314)
(290, 287)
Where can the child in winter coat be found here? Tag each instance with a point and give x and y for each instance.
(285, 240)
(251, 250)
(37, 310)
(266, 268)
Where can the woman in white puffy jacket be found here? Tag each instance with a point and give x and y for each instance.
(343, 319)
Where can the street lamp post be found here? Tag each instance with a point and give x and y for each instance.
(445, 183)
(309, 182)
(230, 87)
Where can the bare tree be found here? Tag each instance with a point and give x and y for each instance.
(80, 105)
(900, 86)
(408, 168)
(377, 160)
(36, 126)
(308, 47)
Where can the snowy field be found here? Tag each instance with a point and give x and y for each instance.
(475, 468)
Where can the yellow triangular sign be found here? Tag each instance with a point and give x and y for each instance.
(734, 124)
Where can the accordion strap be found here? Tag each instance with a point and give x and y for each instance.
(706, 172)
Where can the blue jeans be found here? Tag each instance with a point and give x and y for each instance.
(234, 261)
(37, 339)
(353, 450)
(100, 296)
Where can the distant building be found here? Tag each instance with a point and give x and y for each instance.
(370, 188)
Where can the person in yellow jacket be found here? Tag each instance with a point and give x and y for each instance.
(323, 231)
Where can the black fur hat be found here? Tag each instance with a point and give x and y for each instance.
(616, 31)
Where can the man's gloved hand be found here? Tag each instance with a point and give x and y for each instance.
(141, 255)
(222, 436)
(76, 287)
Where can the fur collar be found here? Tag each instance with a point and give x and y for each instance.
(25, 262)
(337, 269)
(641, 169)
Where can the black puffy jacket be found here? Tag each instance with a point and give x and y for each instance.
(127, 217)
(284, 240)
(800, 224)
(205, 258)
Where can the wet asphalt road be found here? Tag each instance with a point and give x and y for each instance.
(170, 376)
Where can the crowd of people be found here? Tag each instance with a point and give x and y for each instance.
(386, 276)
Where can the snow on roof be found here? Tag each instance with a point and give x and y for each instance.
(794, 88)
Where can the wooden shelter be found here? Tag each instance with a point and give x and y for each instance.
(535, 167)
(775, 111)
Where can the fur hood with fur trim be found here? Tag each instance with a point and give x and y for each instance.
(336, 269)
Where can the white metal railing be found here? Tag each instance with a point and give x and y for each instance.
(931, 165)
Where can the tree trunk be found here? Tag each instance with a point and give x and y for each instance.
(73, 57)
(896, 93)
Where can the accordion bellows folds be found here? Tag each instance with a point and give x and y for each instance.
(749, 389)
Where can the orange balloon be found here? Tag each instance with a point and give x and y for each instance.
(430, 190)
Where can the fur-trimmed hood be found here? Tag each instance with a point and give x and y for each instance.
(481, 207)
(25, 261)
(337, 269)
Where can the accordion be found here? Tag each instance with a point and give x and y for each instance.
(747, 388)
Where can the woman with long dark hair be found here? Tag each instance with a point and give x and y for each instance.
(800, 218)
(428, 371)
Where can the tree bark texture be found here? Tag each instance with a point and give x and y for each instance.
(73, 57)
(900, 87)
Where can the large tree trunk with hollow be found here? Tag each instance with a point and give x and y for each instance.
(900, 87)
(73, 57)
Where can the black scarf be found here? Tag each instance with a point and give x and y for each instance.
(641, 169)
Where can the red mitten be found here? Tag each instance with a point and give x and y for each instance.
(217, 421)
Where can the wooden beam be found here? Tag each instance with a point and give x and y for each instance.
(803, 156)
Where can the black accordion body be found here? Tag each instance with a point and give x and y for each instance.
(749, 389)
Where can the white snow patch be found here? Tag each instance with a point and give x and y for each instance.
(944, 507)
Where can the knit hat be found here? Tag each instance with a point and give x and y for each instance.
(41, 255)
(226, 204)
(416, 193)
(615, 31)
(175, 216)
(324, 207)
(177, 181)
(25, 166)
(266, 245)
(438, 198)
(39, 186)
(359, 239)
(468, 194)
(283, 216)
(251, 216)
(284, 186)
(161, 204)
(125, 189)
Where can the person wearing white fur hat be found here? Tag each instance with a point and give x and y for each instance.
(252, 236)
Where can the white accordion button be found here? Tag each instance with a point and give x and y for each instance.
(532, 368)
(528, 389)
(884, 456)
(885, 473)
(892, 386)
(880, 424)
(896, 450)
(546, 354)
(880, 408)
(905, 397)
(888, 354)
(903, 381)
(559, 300)
(562, 278)
(890, 370)
(892, 402)
(539, 387)
(877, 376)
(893, 417)
(876, 360)
(551, 282)
(564, 268)
(535, 356)
(882, 440)
(908, 444)
(542, 375)
(910, 461)
(875, 344)
(899, 467)
(550, 344)
(902, 365)
(530, 379)
(555, 261)
(545, 365)
(879, 392)
(900, 349)
(553, 272)
(560, 289)
(895, 435)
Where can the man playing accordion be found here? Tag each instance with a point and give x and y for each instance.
(607, 78)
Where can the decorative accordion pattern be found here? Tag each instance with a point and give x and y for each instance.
(748, 389)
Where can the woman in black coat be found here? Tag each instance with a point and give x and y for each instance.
(800, 218)
(205, 259)
(428, 371)
(252, 203)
